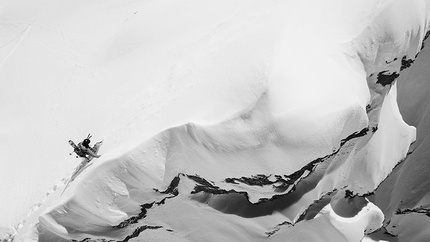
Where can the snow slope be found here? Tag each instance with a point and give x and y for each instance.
(241, 118)
(404, 195)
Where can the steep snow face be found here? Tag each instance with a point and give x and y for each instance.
(222, 121)
(403, 196)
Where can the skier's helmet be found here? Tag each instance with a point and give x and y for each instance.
(86, 142)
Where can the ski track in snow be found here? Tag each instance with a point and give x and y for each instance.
(23, 33)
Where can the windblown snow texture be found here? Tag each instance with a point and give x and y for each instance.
(276, 121)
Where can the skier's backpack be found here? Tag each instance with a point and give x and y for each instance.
(77, 150)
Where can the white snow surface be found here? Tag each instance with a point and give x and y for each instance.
(206, 94)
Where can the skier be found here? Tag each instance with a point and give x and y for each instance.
(90, 151)
(84, 150)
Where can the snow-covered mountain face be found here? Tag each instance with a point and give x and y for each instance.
(403, 196)
(221, 120)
